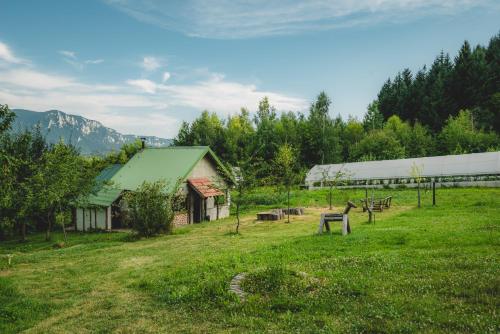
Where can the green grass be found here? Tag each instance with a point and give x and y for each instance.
(434, 269)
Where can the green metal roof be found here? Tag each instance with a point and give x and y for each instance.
(104, 197)
(151, 164)
(169, 164)
(108, 172)
(104, 194)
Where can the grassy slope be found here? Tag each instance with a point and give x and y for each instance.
(434, 270)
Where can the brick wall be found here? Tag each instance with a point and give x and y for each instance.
(181, 218)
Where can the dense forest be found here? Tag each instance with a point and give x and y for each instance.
(451, 108)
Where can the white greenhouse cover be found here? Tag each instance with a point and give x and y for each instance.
(449, 165)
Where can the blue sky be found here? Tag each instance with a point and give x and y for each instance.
(144, 66)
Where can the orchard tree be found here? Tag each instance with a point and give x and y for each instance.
(244, 176)
(416, 173)
(285, 164)
(62, 178)
(332, 181)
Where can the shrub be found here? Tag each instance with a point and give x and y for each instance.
(150, 208)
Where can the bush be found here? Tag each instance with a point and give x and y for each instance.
(150, 209)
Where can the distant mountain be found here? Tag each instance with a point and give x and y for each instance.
(90, 136)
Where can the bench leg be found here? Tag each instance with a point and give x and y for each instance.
(345, 224)
(321, 223)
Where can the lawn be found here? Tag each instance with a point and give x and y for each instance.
(434, 269)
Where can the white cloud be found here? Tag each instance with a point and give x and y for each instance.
(244, 19)
(150, 63)
(8, 56)
(28, 78)
(166, 76)
(225, 97)
(145, 85)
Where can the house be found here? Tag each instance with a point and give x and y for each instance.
(204, 183)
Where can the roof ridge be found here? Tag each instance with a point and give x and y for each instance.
(175, 147)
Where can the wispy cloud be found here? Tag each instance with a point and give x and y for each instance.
(151, 63)
(139, 106)
(71, 58)
(94, 61)
(244, 19)
(165, 77)
(6, 55)
(68, 54)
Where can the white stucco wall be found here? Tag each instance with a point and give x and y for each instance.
(208, 168)
(94, 219)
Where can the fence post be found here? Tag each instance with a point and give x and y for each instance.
(433, 193)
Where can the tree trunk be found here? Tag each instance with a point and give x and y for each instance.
(49, 225)
(237, 217)
(288, 203)
(330, 198)
(418, 190)
(23, 231)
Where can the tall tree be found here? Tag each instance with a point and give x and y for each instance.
(373, 118)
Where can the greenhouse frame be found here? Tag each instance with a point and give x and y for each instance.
(476, 169)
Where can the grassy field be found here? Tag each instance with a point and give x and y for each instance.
(434, 269)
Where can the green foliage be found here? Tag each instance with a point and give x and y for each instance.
(460, 135)
(6, 118)
(470, 81)
(150, 209)
(378, 145)
(373, 118)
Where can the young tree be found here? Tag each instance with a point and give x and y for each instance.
(150, 208)
(285, 164)
(244, 175)
(416, 173)
(332, 181)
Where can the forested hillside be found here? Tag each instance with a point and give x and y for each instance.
(451, 108)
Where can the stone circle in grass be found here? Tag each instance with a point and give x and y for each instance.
(277, 280)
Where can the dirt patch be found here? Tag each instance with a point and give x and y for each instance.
(137, 261)
(5, 273)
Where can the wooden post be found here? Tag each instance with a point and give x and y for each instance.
(433, 193)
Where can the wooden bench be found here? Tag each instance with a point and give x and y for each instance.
(326, 218)
(387, 202)
(378, 204)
